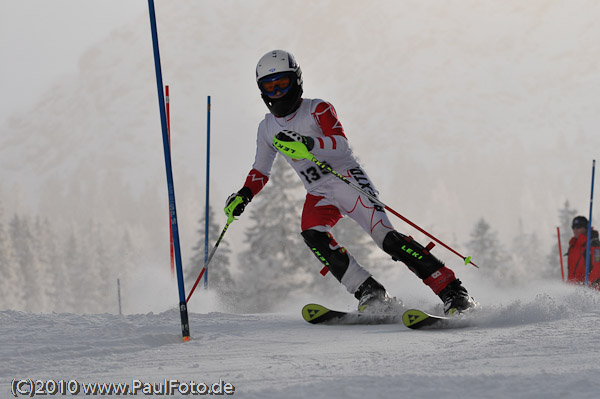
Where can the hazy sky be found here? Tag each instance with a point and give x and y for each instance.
(484, 91)
(42, 40)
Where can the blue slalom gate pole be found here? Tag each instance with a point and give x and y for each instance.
(206, 216)
(589, 232)
(185, 328)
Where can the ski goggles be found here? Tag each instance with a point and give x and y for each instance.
(271, 85)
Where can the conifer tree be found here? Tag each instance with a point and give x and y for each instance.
(526, 262)
(565, 218)
(23, 242)
(219, 277)
(486, 248)
(100, 264)
(11, 277)
(83, 269)
(351, 235)
(71, 297)
(46, 252)
(124, 269)
(277, 263)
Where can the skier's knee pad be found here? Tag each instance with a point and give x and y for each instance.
(414, 255)
(328, 251)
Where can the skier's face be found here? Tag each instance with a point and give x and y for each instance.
(276, 86)
(577, 231)
(277, 94)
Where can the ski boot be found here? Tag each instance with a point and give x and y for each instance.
(373, 298)
(456, 299)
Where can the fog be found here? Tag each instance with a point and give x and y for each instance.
(457, 110)
(42, 42)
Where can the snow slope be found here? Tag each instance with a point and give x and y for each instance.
(541, 343)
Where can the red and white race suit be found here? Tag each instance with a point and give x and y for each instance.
(328, 198)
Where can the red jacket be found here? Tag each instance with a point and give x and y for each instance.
(576, 259)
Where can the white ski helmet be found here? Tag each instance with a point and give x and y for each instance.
(278, 71)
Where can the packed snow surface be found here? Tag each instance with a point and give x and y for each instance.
(540, 343)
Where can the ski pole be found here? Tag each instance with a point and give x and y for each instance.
(297, 150)
(230, 220)
(324, 166)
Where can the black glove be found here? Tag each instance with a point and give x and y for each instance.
(246, 196)
(289, 135)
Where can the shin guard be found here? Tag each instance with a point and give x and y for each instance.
(340, 263)
(419, 260)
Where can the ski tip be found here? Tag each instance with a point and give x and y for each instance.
(313, 312)
(416, 319)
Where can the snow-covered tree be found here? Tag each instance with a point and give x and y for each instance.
(349, 234)
(11, 280)
(219, 277)
(125, 268)
(46, 250)
(101, 262)
(526, 260)
(277, 263)
(486, 248)
(104, 257)
(23, 243)
(565, 218)
(74, 286)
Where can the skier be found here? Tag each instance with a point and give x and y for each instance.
(577, 254)
(314, 123)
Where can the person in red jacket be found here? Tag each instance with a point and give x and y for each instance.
(577, 254)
